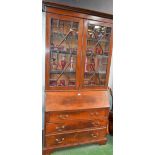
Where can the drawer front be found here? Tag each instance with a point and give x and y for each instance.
(60, 139)
(79, 115)
(73, 125)
(75, 137)
(91, 135)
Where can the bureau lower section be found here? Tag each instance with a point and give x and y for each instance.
(71, 128)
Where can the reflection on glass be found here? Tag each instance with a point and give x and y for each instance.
(63, 53)
(98, 39)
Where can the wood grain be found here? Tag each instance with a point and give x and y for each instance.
(77, 115)
(60, 101)
(74, 137)
(69, 125)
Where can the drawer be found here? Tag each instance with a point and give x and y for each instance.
(77, 115)
(75, 137)
(91, 135)
(59, 139)
(74, 125)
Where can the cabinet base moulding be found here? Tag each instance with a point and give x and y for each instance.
(49, 150)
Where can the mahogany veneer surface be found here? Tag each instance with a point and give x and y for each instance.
(77, 115)
(75, 137)
(72, 119)
(71, 125)
(72, 101)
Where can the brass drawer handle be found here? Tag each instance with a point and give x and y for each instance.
(94, 113)
(59, 140)
(63, 116)
(94, 135)
(60, 128)
(95, 123)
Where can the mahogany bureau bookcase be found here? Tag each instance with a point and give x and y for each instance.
(77, 64)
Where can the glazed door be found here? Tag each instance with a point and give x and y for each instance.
(96, 54)
(63, 52)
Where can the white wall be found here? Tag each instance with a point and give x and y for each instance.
(43, 64)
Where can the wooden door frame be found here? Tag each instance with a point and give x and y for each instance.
(47, 54)
(84, 55)
(82, 16)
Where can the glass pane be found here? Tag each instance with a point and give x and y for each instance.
(63, 53)
(98, 40)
